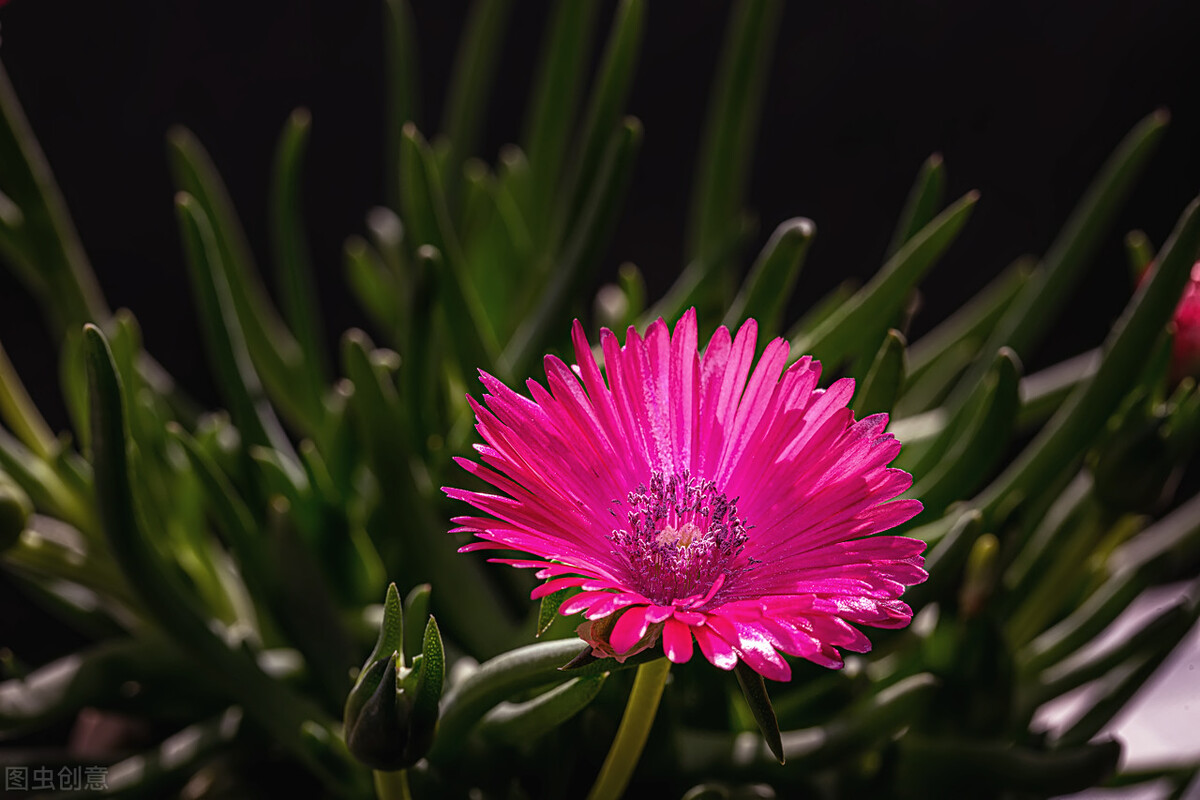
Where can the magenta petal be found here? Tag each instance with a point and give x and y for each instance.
(677, 641)
(718, 651)
(630, 628)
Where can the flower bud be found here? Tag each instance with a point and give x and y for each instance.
(391, 713)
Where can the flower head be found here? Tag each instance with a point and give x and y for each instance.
(694, 500)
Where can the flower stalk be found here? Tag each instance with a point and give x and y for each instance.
(635, 726)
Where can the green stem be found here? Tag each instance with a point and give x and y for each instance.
(392, 785)
(635, 728)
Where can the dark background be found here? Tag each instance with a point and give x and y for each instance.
(1024, 99)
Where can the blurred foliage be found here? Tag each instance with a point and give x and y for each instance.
(225, 567)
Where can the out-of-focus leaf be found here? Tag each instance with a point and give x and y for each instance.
(856, 321)
(373, 286)
(169, 766)
(473, 73)
(1140, 253)
(227, 348)
(293, 265)
(276, 356)
(554, 102)
(944, 560)
(416, 609)
(424, 205)
(767, 288)
(18, 411)
(610, 88)
(954, 767)
(730, 130)
(581, 252)
(874, 719)
(882, 382)
(401, 86)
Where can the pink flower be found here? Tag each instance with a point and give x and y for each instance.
(702, 503)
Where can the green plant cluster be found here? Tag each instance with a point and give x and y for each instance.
(226, 567)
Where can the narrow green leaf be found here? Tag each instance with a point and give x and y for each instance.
(924, 199)
(755, 691)
(937, 359)
(548, 610)
(610, 90)
(473, 73)
(1043, 393)
(823, 309)
(401, 85)
(866, 314)
(944, 560)
(582, 251)
(1087, 409)
(1031, 313)
(518, 723)
(879, 388)
(227, 349)
(553, 104)
(1114, 692)
(768, 287)
(970, 448)
(730, 131)
(297, 287)
(425, 210)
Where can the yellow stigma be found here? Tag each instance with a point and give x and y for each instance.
(680, 537)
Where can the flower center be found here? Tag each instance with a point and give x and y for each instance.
(682, 540)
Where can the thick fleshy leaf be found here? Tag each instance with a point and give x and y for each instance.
(870, 311)
(924, 199)
(520, 723)
(878, 391)
(768, 287)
